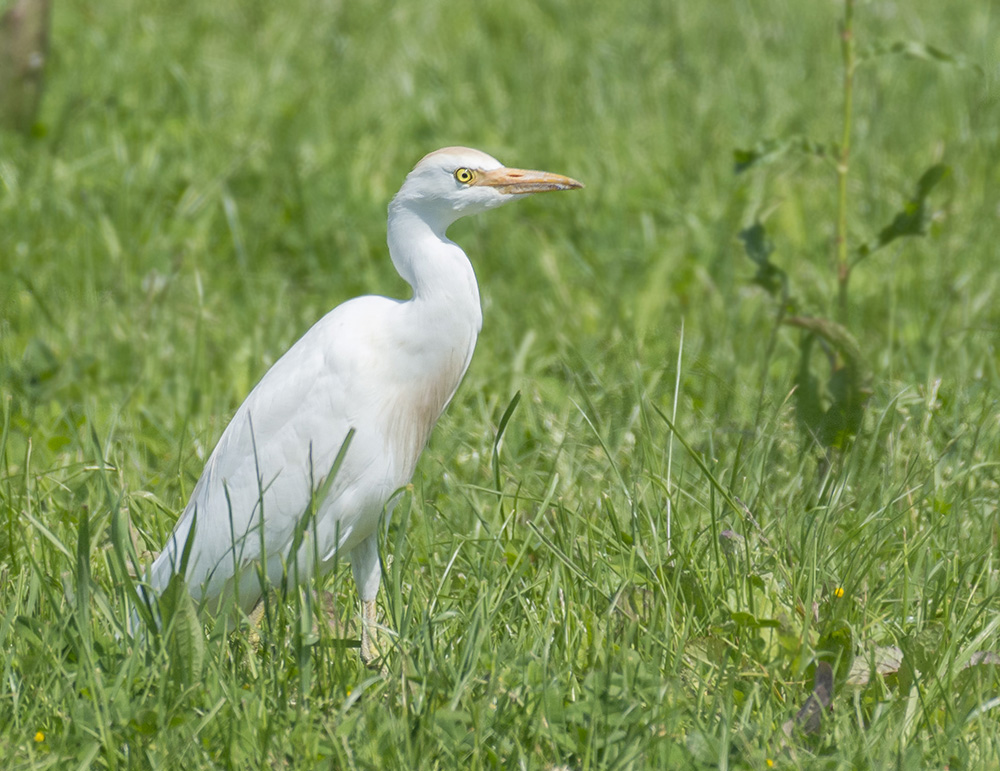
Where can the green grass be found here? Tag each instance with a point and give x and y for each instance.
(207, 179)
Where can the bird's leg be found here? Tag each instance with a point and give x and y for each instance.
(367, 575)
(368, 630)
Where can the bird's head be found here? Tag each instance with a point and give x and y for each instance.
(457, 181)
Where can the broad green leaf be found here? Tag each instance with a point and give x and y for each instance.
(183, 632)
(743, 619)
(748, 620)
(759, 249)
(758, 246)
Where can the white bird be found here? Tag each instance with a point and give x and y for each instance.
(379, 369)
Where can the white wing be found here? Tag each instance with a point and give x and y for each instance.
(277, 450)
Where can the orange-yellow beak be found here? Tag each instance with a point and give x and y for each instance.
(523, 181)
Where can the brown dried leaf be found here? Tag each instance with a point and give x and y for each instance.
(884, 660)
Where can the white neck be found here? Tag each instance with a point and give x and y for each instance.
(436, 267)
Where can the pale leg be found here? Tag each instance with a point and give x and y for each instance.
(368, 648)
(367, 575)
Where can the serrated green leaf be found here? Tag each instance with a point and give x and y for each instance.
(759, 249)
(911, 220)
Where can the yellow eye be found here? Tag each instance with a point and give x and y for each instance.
(465, 176)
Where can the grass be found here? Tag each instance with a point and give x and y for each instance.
(206, 180)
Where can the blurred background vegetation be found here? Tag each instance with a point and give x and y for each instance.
(203, 181)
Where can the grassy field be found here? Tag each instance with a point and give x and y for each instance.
(205, 180)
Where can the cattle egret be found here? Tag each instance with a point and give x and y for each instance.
(377, 369)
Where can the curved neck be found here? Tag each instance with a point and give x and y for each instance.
(436, 268)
